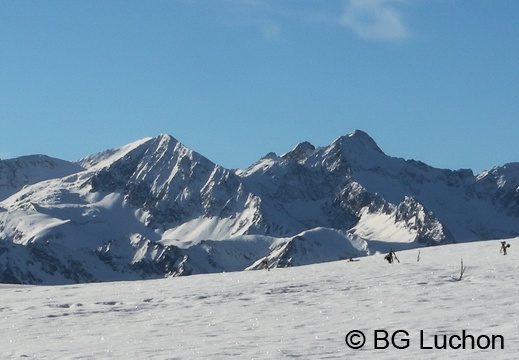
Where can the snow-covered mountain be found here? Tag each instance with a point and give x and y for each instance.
(155, 208)
(26, 170)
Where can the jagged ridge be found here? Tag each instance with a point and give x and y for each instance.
(155, 208)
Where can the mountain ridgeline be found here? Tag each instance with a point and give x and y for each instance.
(155, 208)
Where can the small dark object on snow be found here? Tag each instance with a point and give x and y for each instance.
(462, 271)
(504, 246)
(265, 264)
(352, 260)
(391, 257)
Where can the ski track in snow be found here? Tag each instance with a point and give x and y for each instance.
(293, 313)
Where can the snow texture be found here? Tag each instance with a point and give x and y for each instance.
(300, 312)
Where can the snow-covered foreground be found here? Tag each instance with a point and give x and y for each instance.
(302, 312)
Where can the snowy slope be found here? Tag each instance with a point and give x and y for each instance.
(301, 312)
(25, 170)
(155, 208)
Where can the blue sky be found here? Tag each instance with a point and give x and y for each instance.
(431, 80)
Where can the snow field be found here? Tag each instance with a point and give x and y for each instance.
(301, 312)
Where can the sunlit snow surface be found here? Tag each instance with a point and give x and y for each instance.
(302, 312)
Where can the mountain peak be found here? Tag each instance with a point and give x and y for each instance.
(359, 140)
(166, 138)
(163, 145)
(360, 133)
(300, 152)
(29, 169)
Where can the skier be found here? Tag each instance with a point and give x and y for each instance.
(504, 246)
